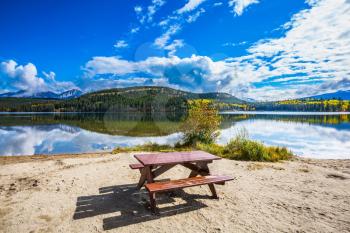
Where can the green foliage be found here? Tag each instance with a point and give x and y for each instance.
(202, 123)
(212, 148)
(243, 148)
(132, 99)
(306, 105)
(239, 148)
(151, 147)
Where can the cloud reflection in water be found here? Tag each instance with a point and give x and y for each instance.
(306, 140)
(57, 139)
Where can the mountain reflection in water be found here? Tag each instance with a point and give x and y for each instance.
(317, 136)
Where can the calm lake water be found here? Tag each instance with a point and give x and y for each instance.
(313, 135)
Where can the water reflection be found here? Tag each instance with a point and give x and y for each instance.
(58, 139)
(318, 136)
(307, 140)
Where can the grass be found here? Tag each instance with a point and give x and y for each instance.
(151, 147)
(239, 148)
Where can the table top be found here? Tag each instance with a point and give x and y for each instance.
(175, 157)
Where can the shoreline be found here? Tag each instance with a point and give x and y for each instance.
(8, 159)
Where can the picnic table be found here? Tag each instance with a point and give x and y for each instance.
(154, 164)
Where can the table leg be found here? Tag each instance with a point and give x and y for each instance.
(213, 190)
(211, 186)
(142, 178)
(152, 200)
(200, 168)
(149, 175)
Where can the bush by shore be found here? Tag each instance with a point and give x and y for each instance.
(239, 148)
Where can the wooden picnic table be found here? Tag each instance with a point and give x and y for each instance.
(154, 164)
(157, 164)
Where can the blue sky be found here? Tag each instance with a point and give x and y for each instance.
(261, 49)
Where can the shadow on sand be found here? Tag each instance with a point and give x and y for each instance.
(131, 205)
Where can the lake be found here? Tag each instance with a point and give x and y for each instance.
(312, 135)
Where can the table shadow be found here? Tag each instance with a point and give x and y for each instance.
(131, 205)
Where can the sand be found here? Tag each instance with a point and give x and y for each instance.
(96, 193)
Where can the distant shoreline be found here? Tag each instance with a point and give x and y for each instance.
(284, 113)
(222, 112)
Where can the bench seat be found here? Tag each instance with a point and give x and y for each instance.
(185, 183)
(136, 166)
(164, 186)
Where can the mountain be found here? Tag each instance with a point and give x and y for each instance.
(44, 95)
(344, 95)
(20, 93)
(71, 94)
(74, 93)
(164, 92)
(132, 99)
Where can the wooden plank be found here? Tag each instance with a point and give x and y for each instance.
(175, 157)
(143, 178)
(162, 169)
(184, 183)
(197, 169)
(136, 166)
(149, 175)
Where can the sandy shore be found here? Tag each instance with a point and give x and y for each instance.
(95, 193)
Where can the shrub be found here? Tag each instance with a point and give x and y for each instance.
(243, 148)
(213, 148)
(202, 123)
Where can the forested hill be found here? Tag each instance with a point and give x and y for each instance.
(165, 92)
(304, 105)
(160, 99)
(117, 100)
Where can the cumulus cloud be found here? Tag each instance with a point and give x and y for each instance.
(22, 77)
(195, 73)
(25, 77)
(240, 5)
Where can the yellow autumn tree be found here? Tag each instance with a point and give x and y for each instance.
(202, 123)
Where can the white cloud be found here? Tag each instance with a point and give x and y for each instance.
(162, 41)
(311, 57)
(190, 6)
(146, 15)
(134, 30)
(138, 10)
(22, 77)
(315, 46)
(153, 8)
(229, 44)
(240, 5)
(195, 16)
(174, 46)
(121, 44)
(217, 4)
(195, 73)
(25, 77)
